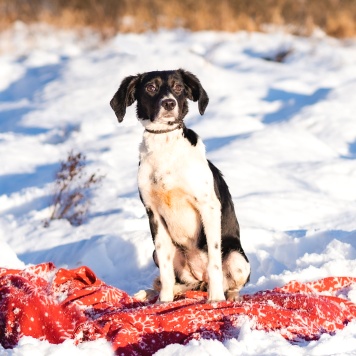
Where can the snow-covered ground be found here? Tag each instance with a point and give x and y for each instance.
(283, 134)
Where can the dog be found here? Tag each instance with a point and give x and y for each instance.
(190, 210)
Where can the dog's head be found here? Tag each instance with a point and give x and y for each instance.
(161, 96)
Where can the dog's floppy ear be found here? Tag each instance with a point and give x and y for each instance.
(125, 96)
(194, 89)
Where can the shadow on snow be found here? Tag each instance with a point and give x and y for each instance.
(292, 103)
(11, 183)
(26, 89)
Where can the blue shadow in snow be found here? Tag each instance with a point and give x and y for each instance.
(26, 87)
(254, 54)
(104, 213)
(293, 103)
(297, 233)
(352, 150)
(31, 82)
(35, 204)
(11, 183)
(66, 254)
(215, 143)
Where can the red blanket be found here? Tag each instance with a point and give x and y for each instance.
(56, 304)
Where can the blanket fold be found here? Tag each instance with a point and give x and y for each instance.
(56, 304)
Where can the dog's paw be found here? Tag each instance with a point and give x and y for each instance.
(233, 296)
(216, 297)
(146, 295)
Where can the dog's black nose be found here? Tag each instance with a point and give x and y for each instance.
(168, 104)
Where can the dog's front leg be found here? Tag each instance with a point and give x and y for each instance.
(211, 216)
(165, 254)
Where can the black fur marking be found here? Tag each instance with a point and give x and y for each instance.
(229, 223)
(154, 257)
(153, 179)
(229, 244)
(164, 223)
(248, 278)
(125, 96)
(230, 231)
(201, 243)
(153, 223)
(180, 247)
(191, 136)
(195, 90)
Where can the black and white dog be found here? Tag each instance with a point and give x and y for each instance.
(190, 210)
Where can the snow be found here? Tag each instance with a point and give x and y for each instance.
(283, 134)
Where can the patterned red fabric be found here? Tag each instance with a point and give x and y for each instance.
(56, 304)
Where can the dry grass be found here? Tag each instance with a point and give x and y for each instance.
(71, 199)
(335, 17)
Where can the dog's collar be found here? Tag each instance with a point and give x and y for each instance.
(179, 126)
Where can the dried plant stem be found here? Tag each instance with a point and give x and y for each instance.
(71, 198)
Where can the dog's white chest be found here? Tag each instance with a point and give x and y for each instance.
(173, 177)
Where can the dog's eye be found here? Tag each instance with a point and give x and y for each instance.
(151, 88)
(178, 88)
